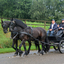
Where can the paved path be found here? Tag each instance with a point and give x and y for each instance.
(33, 58)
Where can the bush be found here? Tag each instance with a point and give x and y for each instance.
(7, 44)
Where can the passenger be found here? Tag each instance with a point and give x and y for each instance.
(53, 27)
(61, 28)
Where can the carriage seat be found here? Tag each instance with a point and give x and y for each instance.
(60, 33)
(55, 36)
(55, 32)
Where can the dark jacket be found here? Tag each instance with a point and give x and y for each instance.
(54, 27)
(61, 25)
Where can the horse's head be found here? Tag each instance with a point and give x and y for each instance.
(5, 25)
(12, 25)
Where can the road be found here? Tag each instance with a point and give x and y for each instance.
(51, 57)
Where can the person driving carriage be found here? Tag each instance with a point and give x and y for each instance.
(53, 27)
(60, 29)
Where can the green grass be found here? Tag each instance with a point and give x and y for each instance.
(3, 37)
(8, 50)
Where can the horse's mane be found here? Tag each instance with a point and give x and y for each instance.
(20, 23)
(7, 22)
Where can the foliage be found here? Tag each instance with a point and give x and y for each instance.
(6, 44)
(32, 9)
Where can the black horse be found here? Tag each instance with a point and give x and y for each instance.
(18, 23)
(39, 33)
(15, 35)
(5, 25)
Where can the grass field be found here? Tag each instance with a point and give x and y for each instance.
(8, 50)
(6, 42)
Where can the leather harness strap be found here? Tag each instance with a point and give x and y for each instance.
(31, 30)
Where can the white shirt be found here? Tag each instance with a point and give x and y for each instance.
(52, 25)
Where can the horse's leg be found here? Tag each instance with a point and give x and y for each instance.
(14, 41)
(37, 45)
(20, 52)
(47, 45)
(43, 47)
(41, 52)
(24, 46)
(47, 48)
(29, 47)
(25, 49)
(16, 47)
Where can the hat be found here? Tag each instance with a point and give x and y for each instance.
(53, 20)
(62, 19)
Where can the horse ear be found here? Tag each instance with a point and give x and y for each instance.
(2, 23)
(1, 20)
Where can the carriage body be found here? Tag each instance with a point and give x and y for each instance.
(57, 42)
(54, 39)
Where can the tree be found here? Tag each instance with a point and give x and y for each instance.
(32, 9)
(38, 9)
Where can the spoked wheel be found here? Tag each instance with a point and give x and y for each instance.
(61, 46)
(55, 47)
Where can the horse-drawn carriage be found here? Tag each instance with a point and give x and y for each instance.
(57, 42)
(22, 32)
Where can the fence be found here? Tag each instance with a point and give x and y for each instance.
(25, 20)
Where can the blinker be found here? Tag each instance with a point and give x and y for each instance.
(13, 21)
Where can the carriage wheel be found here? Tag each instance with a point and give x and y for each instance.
(55, 47)
(61, 46)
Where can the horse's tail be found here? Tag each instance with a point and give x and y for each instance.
(36, 44)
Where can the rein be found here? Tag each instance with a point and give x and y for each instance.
(33, 37)
(31, 31)
(15, 36)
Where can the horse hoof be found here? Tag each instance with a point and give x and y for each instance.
(41, 52)
(20, 53)
(15, 54)
(45, 51)
(26, 53)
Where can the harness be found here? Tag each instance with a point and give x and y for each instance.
(30, 35)
(33, 37)
(31, 30)
(14, 33)
(24, 33)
